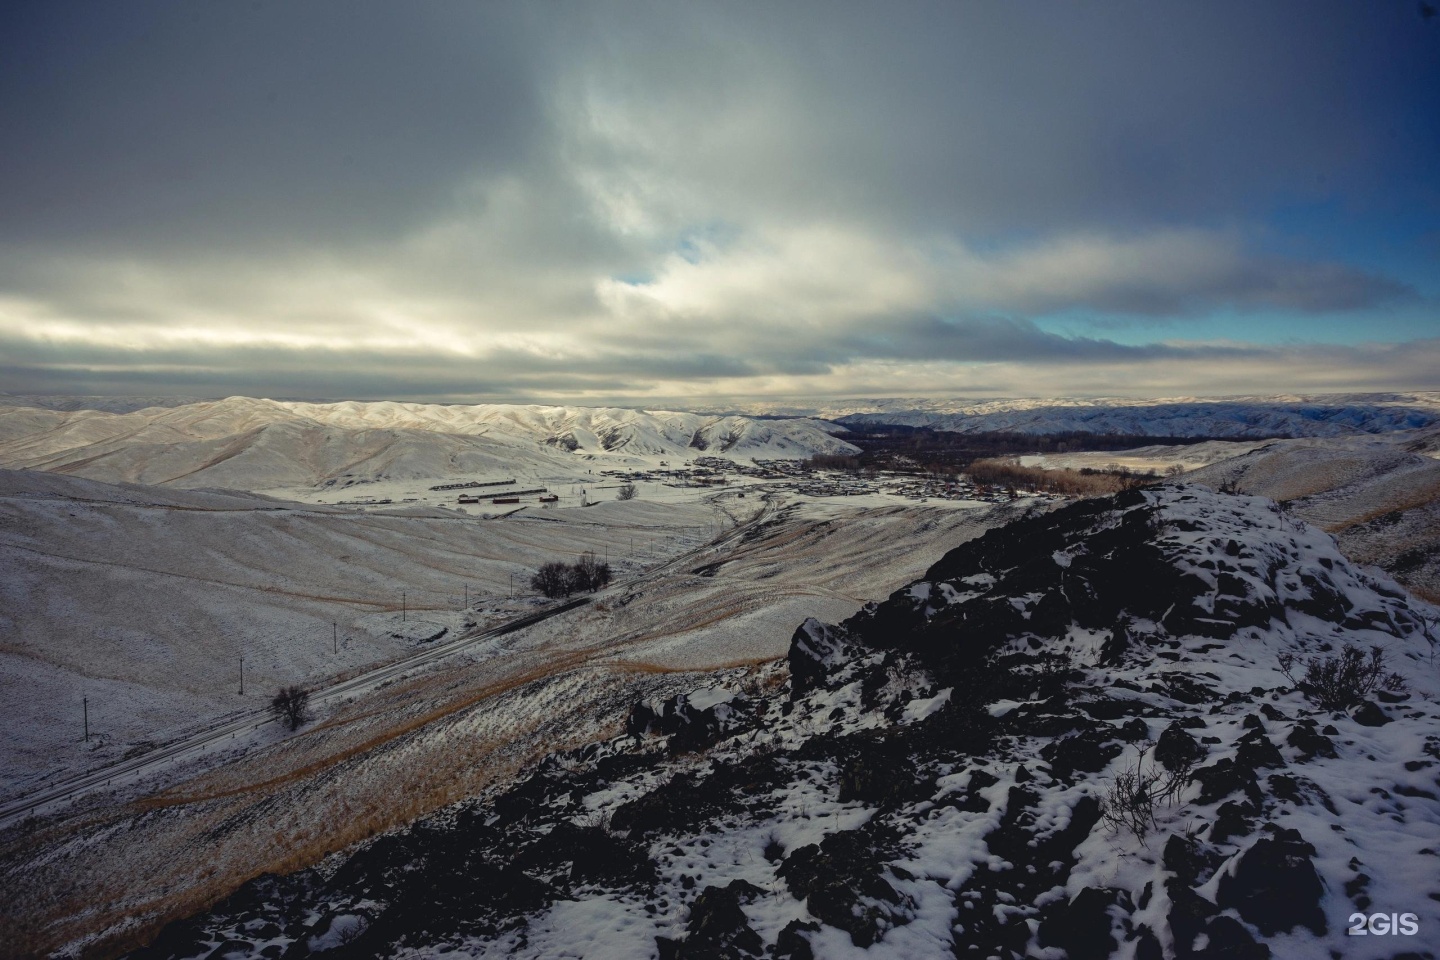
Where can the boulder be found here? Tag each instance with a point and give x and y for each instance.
(1369, 714)
(1274, 886)
(1083, 928)
(792, 945)
(1176, 750)
(1227, 939)
(816, 649)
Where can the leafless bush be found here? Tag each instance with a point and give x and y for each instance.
(351, 932)
(1137, 791)
(1340, 682)
(627, 492)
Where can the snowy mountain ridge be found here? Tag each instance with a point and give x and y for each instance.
(256, 444)
(945, 773)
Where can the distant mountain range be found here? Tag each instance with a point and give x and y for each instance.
(253, 444)
(1320, 415)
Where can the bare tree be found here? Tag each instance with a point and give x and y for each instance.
(627, 492)
(553, 579)
(291, 706)
(589, 573)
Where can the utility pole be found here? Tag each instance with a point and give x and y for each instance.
(404, 613)
(467, 596)
(85, 705)
(335, 627)
(242, 676)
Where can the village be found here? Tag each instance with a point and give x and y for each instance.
(800, 476)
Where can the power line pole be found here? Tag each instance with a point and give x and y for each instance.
(335, 627)
(467, 596)
(85, 705)
(242, 676)
(404, 613)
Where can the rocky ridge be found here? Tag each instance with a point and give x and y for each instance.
(1080, 735)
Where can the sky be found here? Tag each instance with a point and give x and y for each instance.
(686, 204)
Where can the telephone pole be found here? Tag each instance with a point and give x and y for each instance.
(467, 596)
(85, 705)
(404, 613)
(335, 627)
(242, 676)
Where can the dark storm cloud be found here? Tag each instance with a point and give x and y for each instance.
(350, 121)
(1011, 355)
(166, 122)
(993, 339)
(244, 193)
(339, 372)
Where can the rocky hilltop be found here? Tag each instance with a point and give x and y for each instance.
(1150, 726)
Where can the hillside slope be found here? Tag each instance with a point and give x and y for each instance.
(143, 600)
(252, 444)
(938, 775)
(1380, 497)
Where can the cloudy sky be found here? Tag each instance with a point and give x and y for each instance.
(682, 203)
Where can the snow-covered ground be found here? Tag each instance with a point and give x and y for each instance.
(142, 602)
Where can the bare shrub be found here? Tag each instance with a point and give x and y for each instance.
(627, 492)
(1137, 791)
(1341, 682)
(351, 932)
(291, 706)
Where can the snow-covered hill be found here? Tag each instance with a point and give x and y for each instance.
(945, 774)
(251, 444)
(145, 600)
(1378, 496)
